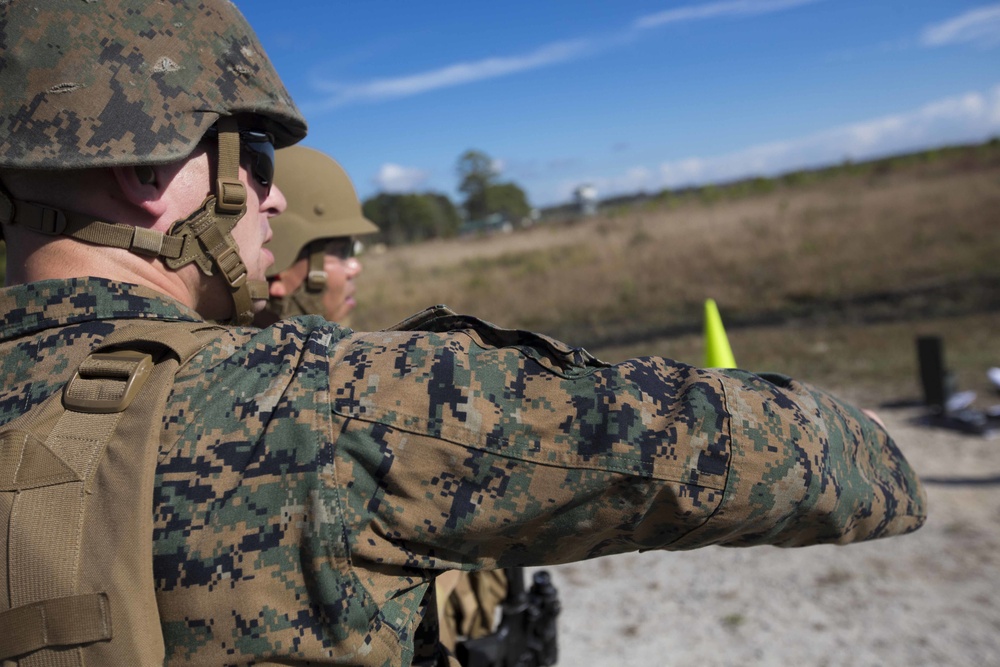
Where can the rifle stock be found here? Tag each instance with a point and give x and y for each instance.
(527, 633)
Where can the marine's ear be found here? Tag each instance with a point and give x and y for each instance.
(142, 186)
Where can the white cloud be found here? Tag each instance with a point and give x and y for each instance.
(968, 118)
(974, 116)
(396, 178)
(980, 26)
(634, 179)
(377, 90)
(716, 10)
(688, 170)
(452, 75)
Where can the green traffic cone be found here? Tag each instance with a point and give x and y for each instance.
(718, 354)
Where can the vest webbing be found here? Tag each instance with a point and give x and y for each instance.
(76, 498)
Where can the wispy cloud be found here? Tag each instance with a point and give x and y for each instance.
(980, 26)
(397, 178)
(974, 116)
(717, 10)
(633, 180)
(965, 118)
(452, 75)
(378, 90)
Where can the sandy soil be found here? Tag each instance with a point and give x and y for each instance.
(930, 598)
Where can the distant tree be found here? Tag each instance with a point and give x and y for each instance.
(406, 218)
(483, 195)
(448, 220)
(508, 199)
(476, 174)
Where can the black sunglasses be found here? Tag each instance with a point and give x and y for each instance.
(341, 247)
(260, 152)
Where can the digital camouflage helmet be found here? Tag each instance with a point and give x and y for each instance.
(132, 82)
(322, 204)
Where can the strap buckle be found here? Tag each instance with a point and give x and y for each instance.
(316, 281)
(231, 196)
(40, 218)
(232, 266)
(107, 381)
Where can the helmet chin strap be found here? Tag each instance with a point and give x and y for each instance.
(307, 299)
(204, 238)
(206, 235)
(316, 279)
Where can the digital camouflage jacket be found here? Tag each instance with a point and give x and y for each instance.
(312, 480)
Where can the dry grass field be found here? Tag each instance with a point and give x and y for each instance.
(829, 281)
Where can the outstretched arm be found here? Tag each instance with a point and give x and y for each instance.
(477, 447)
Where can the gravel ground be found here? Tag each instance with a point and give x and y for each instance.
(930, 598)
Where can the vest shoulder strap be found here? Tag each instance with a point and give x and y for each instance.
(76, 489)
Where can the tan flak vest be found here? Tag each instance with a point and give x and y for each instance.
(76, 499)
(468, 603)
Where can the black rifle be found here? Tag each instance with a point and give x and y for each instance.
(527, 633)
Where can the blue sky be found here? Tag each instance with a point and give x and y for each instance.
(629, 95)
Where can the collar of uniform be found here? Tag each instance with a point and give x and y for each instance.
(25, 309)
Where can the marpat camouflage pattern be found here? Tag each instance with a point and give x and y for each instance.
(312, 480)
(131, 82)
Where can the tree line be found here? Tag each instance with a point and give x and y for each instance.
(412, 217)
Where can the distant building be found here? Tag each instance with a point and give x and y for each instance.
(585, 197)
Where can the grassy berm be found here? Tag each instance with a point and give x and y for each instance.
(828, 276)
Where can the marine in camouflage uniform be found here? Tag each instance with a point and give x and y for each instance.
(314, 239)
(313, 480)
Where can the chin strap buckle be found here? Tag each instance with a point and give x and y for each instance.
(231, 196)
(316, 281)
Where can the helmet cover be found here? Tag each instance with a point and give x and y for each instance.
(322, 204)
(101, 83)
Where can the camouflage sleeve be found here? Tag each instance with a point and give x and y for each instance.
(807, 468)
(469, 446)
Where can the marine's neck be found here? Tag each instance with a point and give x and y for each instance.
(46, 258)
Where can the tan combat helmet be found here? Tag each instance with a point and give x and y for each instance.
(322, 204)
(132, 82)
